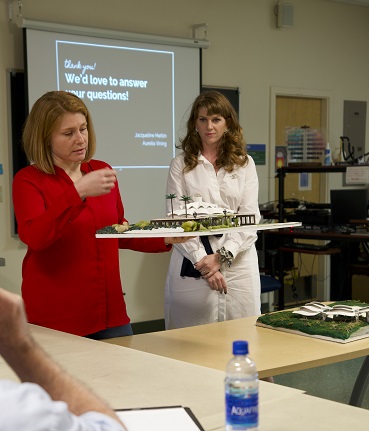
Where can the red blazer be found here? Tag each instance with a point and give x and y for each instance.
(71, 280)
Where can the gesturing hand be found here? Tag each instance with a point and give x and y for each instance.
(96, 183)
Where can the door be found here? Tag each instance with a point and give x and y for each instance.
(294, 111)
(298, 112)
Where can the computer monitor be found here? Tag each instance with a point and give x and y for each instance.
(348, 204)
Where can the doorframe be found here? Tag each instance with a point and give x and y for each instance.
(323, 284)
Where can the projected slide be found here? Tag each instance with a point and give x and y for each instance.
(139, 85)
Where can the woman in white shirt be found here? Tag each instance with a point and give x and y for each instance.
(221, 282)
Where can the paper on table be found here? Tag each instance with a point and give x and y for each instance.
(159, 419)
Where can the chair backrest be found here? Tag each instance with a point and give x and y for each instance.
(269, 283)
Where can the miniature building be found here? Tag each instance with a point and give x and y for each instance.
(232, 220)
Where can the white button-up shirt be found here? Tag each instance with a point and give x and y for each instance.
(27, 407)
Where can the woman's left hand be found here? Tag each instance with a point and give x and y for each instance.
(208, 265)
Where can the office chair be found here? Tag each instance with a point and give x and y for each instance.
(269, 284)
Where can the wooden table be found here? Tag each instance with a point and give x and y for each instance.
(319, 414)
(275, 352)
(129, 378)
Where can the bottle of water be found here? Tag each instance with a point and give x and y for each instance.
(241, 390)
(327, 155)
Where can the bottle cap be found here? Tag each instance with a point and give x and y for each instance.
(240, 347)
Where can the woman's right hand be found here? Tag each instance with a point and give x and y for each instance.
(96, 183)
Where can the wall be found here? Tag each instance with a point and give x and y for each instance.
(325, 53)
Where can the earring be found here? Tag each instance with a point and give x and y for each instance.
(197, 131)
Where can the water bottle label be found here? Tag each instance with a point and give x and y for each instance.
(242, 411)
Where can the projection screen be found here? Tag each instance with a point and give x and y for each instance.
(139, 95)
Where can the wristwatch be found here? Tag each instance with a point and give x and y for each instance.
(225, 256)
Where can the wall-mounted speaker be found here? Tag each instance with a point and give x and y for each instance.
(285, 15)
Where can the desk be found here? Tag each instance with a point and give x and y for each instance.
(341, 265)
(324, 414)
(275, 352)
(129, 378)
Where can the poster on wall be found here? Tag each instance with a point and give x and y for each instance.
(257, 152)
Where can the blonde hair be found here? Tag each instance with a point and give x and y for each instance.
(41, 123)
(232, 149)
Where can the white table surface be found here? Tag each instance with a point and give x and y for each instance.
(128, 378)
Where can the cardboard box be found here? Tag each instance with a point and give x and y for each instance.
(360, 288)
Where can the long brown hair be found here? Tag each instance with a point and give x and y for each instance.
(232, 150)
(41, 122)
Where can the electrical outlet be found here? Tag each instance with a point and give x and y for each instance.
(2, 261)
